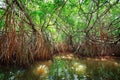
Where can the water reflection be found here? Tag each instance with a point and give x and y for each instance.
(79, 68)
(66, 69)
(41, 70)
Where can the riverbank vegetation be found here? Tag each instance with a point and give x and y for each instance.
(32, 30)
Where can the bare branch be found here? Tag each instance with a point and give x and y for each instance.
(25, 13)
(113, 22)
(101, 15)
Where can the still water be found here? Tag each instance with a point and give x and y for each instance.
(65, 68)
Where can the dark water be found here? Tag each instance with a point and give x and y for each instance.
(65, 68)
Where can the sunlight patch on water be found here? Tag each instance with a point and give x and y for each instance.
(65, 56)
(79, 68)
(116, 64)
(41, 70)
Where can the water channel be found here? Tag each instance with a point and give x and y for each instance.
(65, 68)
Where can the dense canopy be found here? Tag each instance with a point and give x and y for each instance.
(44, 27)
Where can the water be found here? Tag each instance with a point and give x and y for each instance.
(65, 68)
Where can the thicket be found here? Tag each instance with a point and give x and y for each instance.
(33, 30)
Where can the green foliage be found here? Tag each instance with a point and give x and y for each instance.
(59, 3)
(71, 21)
(1, 76)
(71, 17)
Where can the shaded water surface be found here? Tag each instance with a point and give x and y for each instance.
(65, 68)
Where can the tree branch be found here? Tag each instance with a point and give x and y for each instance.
(25, 13)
